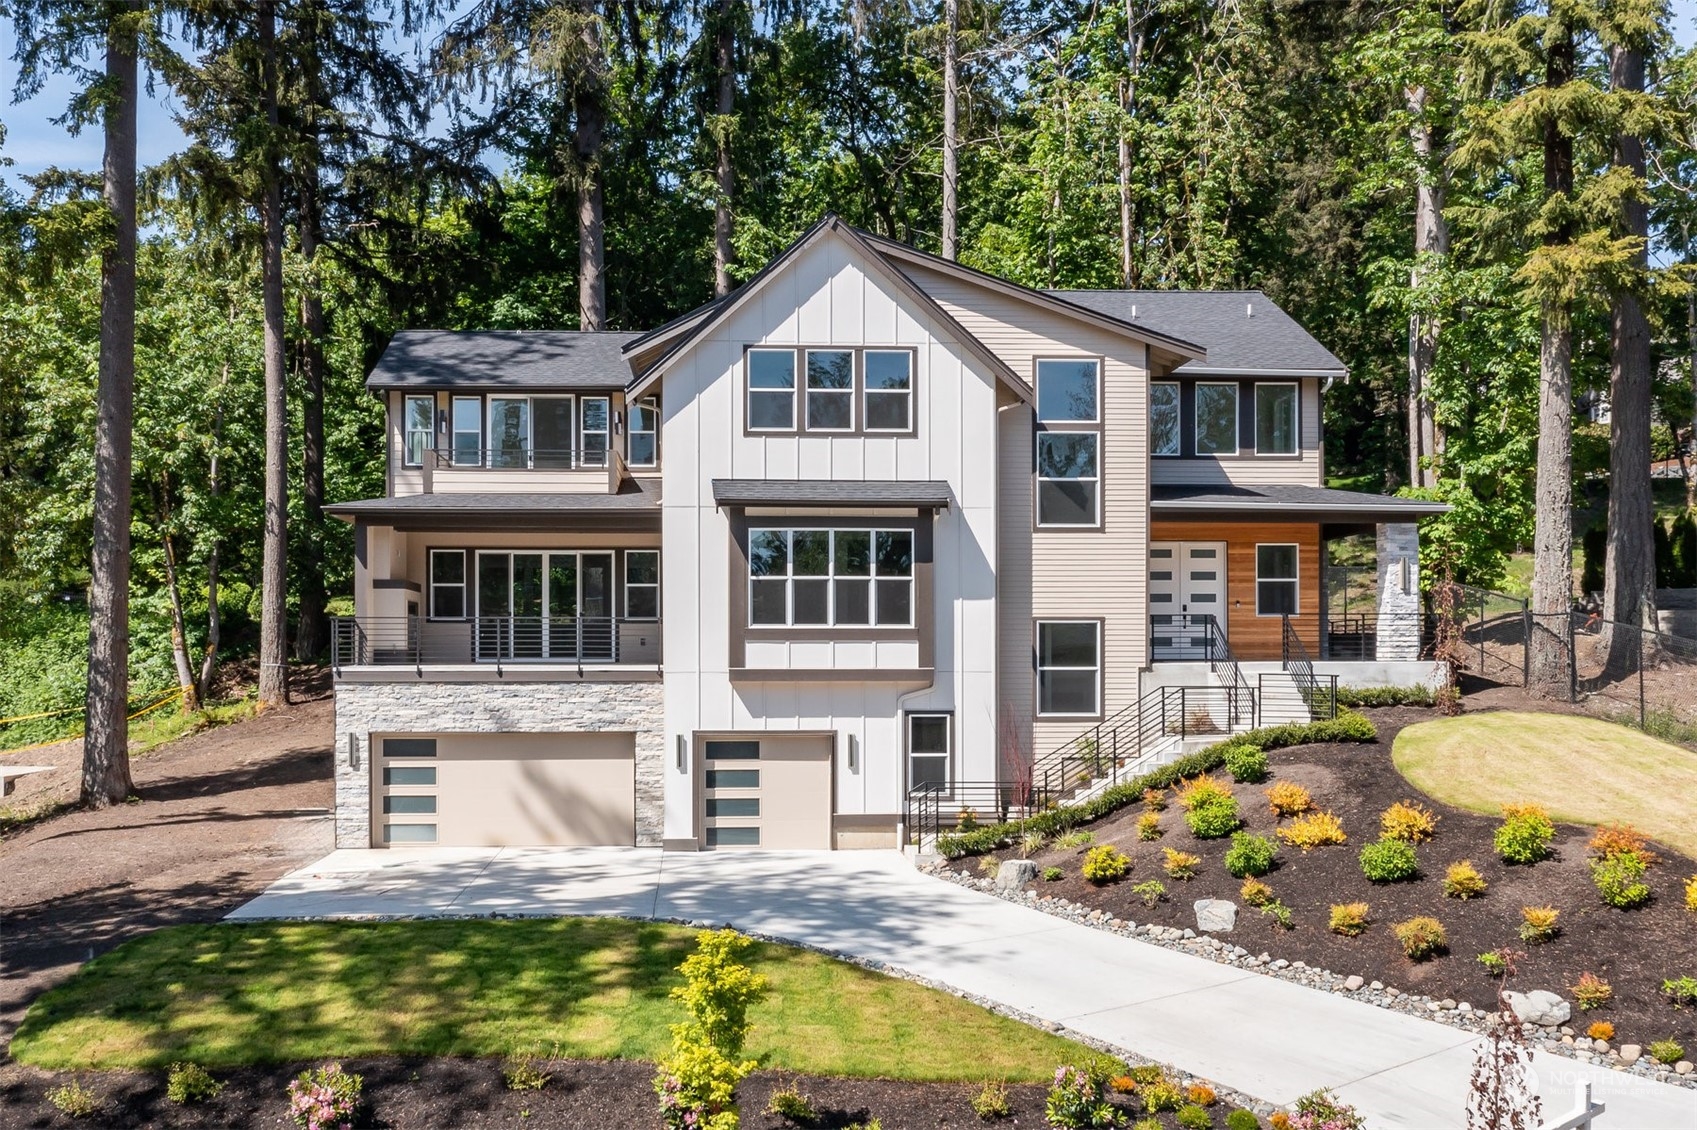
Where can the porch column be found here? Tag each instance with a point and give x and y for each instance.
(1398, 628)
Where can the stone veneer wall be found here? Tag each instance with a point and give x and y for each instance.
(492, 708)
(1399, 606)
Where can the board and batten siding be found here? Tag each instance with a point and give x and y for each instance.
(828, 296)
(1065, 574)
(1305, 468)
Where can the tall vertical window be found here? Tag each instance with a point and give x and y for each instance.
(551, 432)
(1069, 668)
(1069, 441)
(830, 390)
(509, 431)
(1275, 580)
(928, 749)
(1216, 418)
(819, 578)
(889, 390)
(467, 436)
(643, 445)
(597, 414)
(771, 390)
(642, 584)
(420, 419)
(1164, 427)
(447, 584)
(1275, 419)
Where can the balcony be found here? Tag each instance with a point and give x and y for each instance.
(376, 648)
(472, 470)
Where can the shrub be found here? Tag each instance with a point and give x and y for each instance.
(1286, 799)
(1192, 1117)
(988, 867)
(1105, 863)
(1421, 937)
(789, 1104)
(1076, 1098)
(1077, 838)
(1321, 1110)
(1538, 924)
(1389, 861)
(1524, 835)
(966, 820)
(1155, 800)
(1255, 893)
(1463, 881)
(1201, 1094)
(1146, 1124)
(1214, 819)
(325, 1098)
(1241, 1119)
(1146, 1073)
(1031, 843)
(1149, 826)
(190, 1083)
(1279, 1120)
(697, 1082)
(1384, 696)
(1279, 913)
(1620, 880)
(524, 1073)
(1151, 892)
(1199, 792)
(1246, 763)
(1601, 1030)
(1180, 864)
(1621, 839)
(991, 1102)
(1162, 1094)
(1316, 829)
(1682, 990)
(1669, 1052)
(1249, 856)
(1053, 874)
(1349, 919)
(1122, 1084)
(1591, 991)
(1407, 821)
(1495, 963)
(73, 1100)
(1691, 894)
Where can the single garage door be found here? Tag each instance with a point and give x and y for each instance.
(504, 790)
(771, 791)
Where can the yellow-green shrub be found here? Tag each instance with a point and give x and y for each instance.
(1407, 821)
(1349, 919)
(1105, 863)
(1286, 799)
(1524, 835)
(1255, 893)
(1313, 830)
(1180, 864)
(1421, 937)
(1149, 826)
(1463, 881)
(1539, 924)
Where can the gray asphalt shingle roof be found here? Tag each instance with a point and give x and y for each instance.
(644, 496)
(1242, 330)
(829, 492)
(1170, 498)
(503, 359)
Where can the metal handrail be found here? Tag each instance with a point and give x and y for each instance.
(379, 641)
(1300, 666)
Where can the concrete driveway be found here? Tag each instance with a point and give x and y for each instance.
(1250, 1032)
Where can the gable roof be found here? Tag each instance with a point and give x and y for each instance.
(502, 359)
(1244, 331)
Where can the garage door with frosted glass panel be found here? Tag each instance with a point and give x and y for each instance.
(504, 790)
(773, 791)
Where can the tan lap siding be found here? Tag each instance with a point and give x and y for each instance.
(1252, 636)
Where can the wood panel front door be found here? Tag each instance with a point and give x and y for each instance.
(1187, 581)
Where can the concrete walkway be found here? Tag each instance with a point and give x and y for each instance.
(1250, 1032)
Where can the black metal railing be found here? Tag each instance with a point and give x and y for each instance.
(416, 641)
(1320, 700)
(932, 810)
(1182, 638)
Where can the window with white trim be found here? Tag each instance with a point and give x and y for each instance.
(595, 429)
(1216, 418)
(642, 584)
(1165, 431)
(466, 436)
(420, 429)
(1276, 591)
(1069, 668)
(509, 431)
(771, 390)
(929, 746)
(830, 578)
(830, 390)
(447, 584)
(643, 443)
(889, 390)
(1069, 442)
(1275, 419)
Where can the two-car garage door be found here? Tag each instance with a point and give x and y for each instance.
(504, 790)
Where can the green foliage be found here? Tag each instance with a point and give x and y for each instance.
(1162, 1094)
(1620, 880)
(1667, 1052)
(1324, 1109)
(1384, 696)
(1247, 764)
(190, 1083)
(1389, 861)
(991, 1101)
(525, 1073)
(1241, 1119)
(1680, 990)
(1193, 1117)
(1525, 834)
(1053, 874)
(1213, 818)
(325, 1097)
(1280, 914)
(1077, 1099)
(1250, 856)
(73, 1100)
(697, 1082)
(1105, 863)
(1494, 963)
(1151, 891)
(789, 1104)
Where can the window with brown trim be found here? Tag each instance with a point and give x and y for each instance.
(830, 578)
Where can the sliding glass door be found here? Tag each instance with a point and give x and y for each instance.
(535, 605)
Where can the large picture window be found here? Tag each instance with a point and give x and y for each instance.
(1275, 419)
(1069, 668)
(929, 740)
(420, 429)
(447, 584)
(1275, 580)
(830, 578)
(1164, 426)
(830, 390)
(771, 390)
(1216, 418)
(1069, 440)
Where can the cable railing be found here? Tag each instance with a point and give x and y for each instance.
(380, 641)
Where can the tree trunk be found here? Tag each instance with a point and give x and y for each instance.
(273, 619)
(725, 60)
(173, 590)
(1691, 340)
(1431, 237)
(214, 488)
(1548, 669)
(1629, 571)
(106, 757)
(951, 128)
(1128, 111)
(311, 627)
(591, 220)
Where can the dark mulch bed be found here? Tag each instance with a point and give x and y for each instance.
(431, 1094)
(1633, 950)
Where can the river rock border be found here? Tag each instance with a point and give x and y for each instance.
(1562, 1040)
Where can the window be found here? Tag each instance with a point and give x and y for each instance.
(1068, 476)
(642, 585)
(1216, 419)
(889, 390)
(771, 390)
(467, 436)
(733, 806)
(597, 413)
(420, 429)
(1275, 419)
(409, 775)
(409, 805)
(830, 578)
(1164, 425)
(830, 390)
(733, 837)
(447, 584)
(928, 751)
(1069, 667)
(733, 751)
(1275, 580)
(643, 446)
(409, 833)
(509, 431)
(409, 747)
(733, 778)
(551, 432)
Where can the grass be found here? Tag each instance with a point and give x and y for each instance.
(228, 995)
(1584, 770)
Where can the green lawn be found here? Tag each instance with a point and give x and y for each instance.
(1584, 770)
(226, 995)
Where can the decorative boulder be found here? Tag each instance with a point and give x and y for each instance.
(1014, 874)
(1215, 916)
(1540, 1007)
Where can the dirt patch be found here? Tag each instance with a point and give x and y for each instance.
(434, 1093)
(220, 814)
(1633, 950)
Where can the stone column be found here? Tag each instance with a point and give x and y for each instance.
(1399, 591)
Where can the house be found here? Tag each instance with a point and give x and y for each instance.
(874, 527)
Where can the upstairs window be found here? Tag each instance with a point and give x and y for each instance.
(420, 429)
(1216, 418)
(889, 390)
(509, 431)
(1275, 419)
(597, 427)
(830, 390)
(1164, 427)
(467, 436)
(830, 578)
(643, 446)
(1069, 441)
(771, 390)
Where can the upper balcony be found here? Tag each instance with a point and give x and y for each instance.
(509, 648)
(471, 469)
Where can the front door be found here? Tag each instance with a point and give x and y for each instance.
(1187, 588)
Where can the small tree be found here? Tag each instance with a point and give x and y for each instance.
(697, 1082)
(1501, 1093)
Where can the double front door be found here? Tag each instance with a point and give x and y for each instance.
(543, 605)
(1187, 590)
